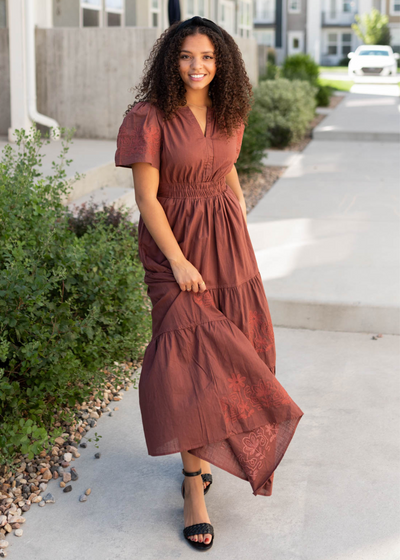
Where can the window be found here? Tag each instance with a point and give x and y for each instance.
(395, 7)
(155, 13)
(244, 24)
(226, 15)
(91, 13)
(265, 11)
(346, 43)
(347, 6)
(265, 37)
(195, 8)
(332, 43)
(114, 9)
(294, 6)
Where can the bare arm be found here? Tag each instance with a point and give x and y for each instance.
(232, 180)
(146, 179)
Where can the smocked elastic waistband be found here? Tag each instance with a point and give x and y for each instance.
(184, 190)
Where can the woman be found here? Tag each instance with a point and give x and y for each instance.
(208, 388)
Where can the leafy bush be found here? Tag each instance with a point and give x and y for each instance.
(286, 108)
(323, 96)
(255, 141)
(300, 67)
(72, 299)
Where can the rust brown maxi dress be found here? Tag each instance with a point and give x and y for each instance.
(208, 381)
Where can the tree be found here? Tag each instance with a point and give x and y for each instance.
(372, 28)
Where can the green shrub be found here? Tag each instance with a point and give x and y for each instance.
(255, 141)
(286, 108)
(323, 96)
(72, 299)
(300, 67)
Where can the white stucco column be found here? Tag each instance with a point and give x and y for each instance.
(18, 96)
(314, 14)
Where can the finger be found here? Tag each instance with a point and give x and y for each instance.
(202, 286)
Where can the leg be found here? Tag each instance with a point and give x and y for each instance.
(195, 510)
(205, 468)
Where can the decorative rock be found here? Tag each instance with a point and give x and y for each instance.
(3, 520)
(82, 498)
(83, 444)
(7, 528)
(67, 488)
(97, 455)
(36, 499)
(26, 507)
(59, 441)
(49, 498)
(62, 484)
(111, 414)
(18, 533)
(47, 475)
(94, 415)
(3, 544)
(16, 519)
(42, 486)
(41, 504)
(87, 492)
(66, 477)
(67, 457)
(74, 474)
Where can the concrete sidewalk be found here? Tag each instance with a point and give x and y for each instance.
(363, 117)
(334, 495)
(327, 234)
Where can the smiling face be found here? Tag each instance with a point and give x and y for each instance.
(197, 62)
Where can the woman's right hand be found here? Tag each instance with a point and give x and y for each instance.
(187, 276)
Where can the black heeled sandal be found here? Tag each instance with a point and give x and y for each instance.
(197, 528)
(207, 477)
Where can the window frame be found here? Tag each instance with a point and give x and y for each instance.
(294, 10)
(196, 9)
(245, 29)
(393, 12)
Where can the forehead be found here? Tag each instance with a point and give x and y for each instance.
(197, 43)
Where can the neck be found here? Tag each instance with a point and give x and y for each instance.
(199, 98)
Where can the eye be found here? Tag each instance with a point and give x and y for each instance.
(183, 55)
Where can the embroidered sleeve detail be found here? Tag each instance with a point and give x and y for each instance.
(139, 137)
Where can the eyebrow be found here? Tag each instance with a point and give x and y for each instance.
(184, 50)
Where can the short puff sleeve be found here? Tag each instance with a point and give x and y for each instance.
(139, 137)
(239, 139)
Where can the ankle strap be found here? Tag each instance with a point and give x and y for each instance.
(191, 473)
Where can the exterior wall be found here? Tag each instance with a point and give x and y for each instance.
(91, 91)
(66, 13)
(249, 50)
(5, 109)
(393, 18)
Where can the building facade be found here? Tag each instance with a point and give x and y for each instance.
(321, 28)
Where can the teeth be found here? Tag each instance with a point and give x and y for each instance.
(197, 75)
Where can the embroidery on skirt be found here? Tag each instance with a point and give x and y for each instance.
(260, 332)
(256, 444)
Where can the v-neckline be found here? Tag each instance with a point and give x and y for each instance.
(204, 135)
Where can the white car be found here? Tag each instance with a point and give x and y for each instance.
(373, 60)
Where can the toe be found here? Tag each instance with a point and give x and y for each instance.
(200, 538)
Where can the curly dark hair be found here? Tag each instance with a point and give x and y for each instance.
(230, 90)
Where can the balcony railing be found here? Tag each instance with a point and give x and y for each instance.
(264, 16)
(335, 17)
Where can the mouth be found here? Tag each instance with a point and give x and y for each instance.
(196, 77)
